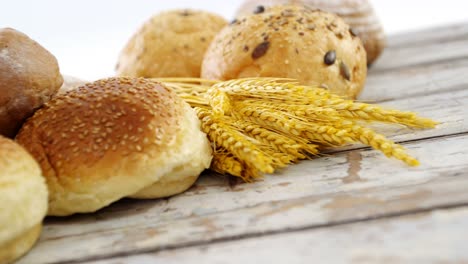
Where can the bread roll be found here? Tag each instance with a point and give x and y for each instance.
(114, 138)
(70, 83)
(359, 14)
(29, 77)
(170, 44)
(314, 47)
(23, 201)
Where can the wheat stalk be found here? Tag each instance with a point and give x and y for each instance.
(258, 125)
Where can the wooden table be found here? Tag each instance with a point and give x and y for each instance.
(354, 206)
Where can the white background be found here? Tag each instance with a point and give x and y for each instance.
(86, 36)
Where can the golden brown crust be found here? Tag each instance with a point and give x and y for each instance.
(359, 14)
(104, 141)
(292, 42)
(29, 77)
(18, 246)
(106, 120)
(170, 44)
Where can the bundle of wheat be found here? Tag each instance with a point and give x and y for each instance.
(257, 125)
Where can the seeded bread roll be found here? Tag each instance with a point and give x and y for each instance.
(170, 44)
(23, 201)
(359, 14)
(115, 138)
(29, 77)
(314, 47)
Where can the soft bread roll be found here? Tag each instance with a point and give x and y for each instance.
(114, 138)
(359, 14)
(170, 44)
(23, 201)
(70, 83)
(29, 77)
(314, 47)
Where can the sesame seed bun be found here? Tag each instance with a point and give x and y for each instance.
(314, 47)
(112, 139)
(170, 44)
(359, 14)
(29, 77)
(23, 200)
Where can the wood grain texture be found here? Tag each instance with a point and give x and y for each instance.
(436, 237)
(406, 57)
(416, 82)
(420, 38)
(313, 193)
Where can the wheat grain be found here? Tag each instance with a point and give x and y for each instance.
(379, 142)
(288, 124)
(219, 102)
(293, 146)
(309, 112)
(349, 109)
(226, 136)
(226, 163)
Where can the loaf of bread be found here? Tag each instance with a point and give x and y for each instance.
(170, 44)
(359, 14)
(314, 47)
(23, 200)
(115, 138)
(29, 77)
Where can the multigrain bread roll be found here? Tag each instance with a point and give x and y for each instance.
(170, 44)
(359, 14)
(23, 201)
(115, 138)
(314, 47)
(29, 77)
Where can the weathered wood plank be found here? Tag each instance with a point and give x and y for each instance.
(436, 237)
(346, 187)
(453, 121)
(417, 81)
(420, 63)
(424, 47)
(441, 34)
(407, 57)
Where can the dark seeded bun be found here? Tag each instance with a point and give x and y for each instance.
(359, 14)
(314, 47)
(29, 77)
(114, 138)
(23, 201)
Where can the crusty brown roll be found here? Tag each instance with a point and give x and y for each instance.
(170, 44)
(114, 138)
(314, 47)
(359, 14)
(23, 201)
(29, 77)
